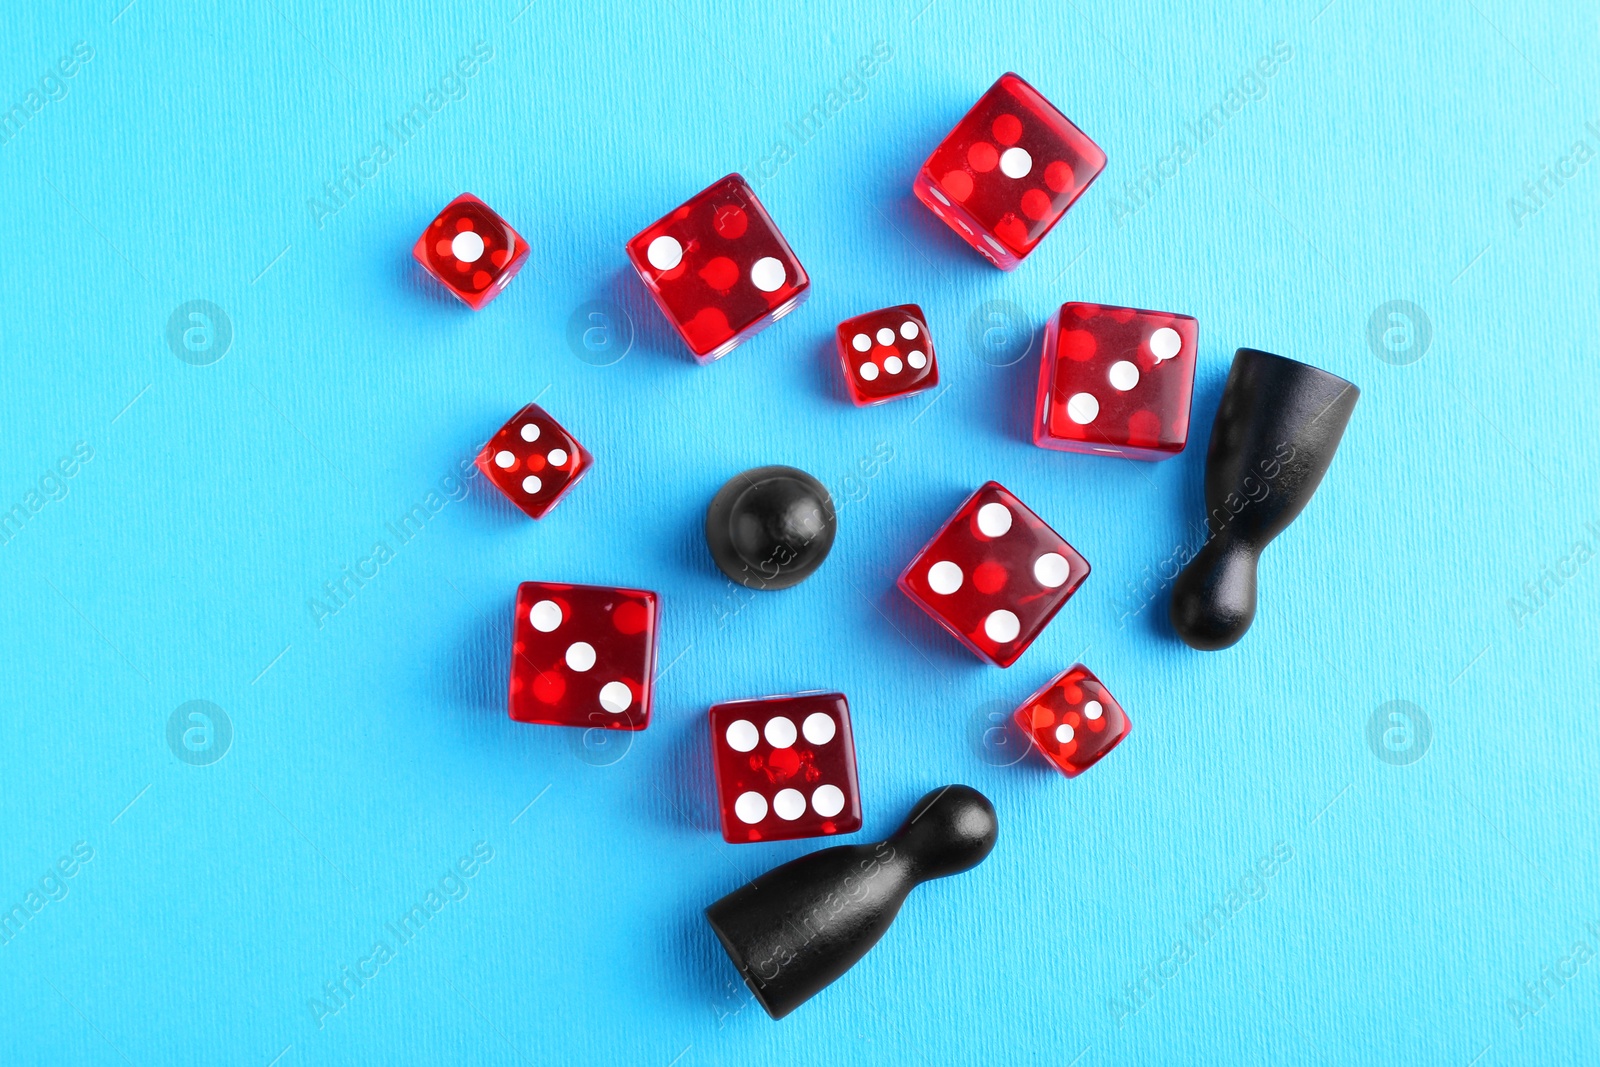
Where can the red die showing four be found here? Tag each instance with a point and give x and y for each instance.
(887, 354)
(786, 767)
(719, 269)
(1073, 721)
(473, 251)
(534, 461)
(1116, 381)
(583, 655)
(994, 575)
(1008, 172)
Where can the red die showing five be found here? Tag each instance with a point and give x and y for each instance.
(719, 269)
(1008, 172)
(473, 251)
(583, 655)
(887, 354)
(1074, 720)
(786, 767)
(994, 575)
(1116, 381)
(534, 461)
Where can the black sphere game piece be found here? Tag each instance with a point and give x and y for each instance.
(1276, 430)
(799, 926)
(770, 527)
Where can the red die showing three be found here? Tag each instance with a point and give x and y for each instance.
(719, 269)
(583, 655)
(473, 251)
(887, 354)
(1073, 721)
(786, 767)
(1116, 381)
(994, 575)
(1008, 172)
(534, 461)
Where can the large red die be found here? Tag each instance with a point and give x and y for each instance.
(583, 655)
(887, 354)
(1074, 720)
(1008, 172)
(786, 767)
(994, 575)
(1116, 381)
(473, 251)
(533, 460)
(719, 269)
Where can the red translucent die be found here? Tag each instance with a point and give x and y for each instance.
(887, 354)
(719, 269)
(994, 575)
(473, 251)
(583, 655)
(1008, 172)
(534, 461)
(1116, 381)
(1073, 721)
(786, 767)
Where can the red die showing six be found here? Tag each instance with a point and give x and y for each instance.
(786, 767)
(1116, 381)
(583, 655)
(887, 354)
(1074, 720)
(719, 269)
(473, 251)
(994, 575)
(1008, 172)
(534, 461)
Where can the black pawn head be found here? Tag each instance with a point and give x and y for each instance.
(1277, 427)
(949, 831)
(770, 527)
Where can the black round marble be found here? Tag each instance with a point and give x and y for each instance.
(771, 527)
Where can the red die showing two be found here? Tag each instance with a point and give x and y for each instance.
(534, 461)
(473, 251)
(1073, 721)
(1008, 172)
(583, 655)
(994, 575)
(719, 269)
(887, 354)
(786, 767)
(1116, 381)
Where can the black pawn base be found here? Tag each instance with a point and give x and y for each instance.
(771, 527)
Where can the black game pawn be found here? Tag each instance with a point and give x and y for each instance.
(1276, 430)
(770, 527)
(799, 926)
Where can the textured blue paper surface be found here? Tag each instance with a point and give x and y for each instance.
(1279, 866)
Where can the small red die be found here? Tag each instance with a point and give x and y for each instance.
(534, 461)
(583, 655)
(994, 575)
(473, 251)
(1074, 720)
(786, 767)
(1116, 381)
(887, 354)
(1008, 172)
(719, 269)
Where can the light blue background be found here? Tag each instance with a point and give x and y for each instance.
(371, 752)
